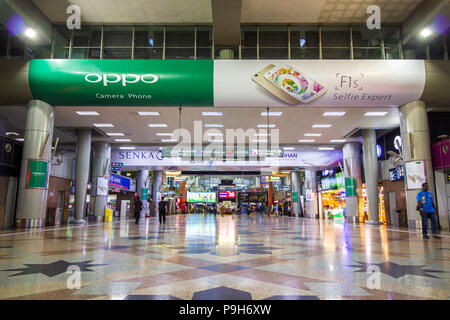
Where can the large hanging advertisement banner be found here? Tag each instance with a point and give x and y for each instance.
(153, 157)
(317, 82)
(227, 83)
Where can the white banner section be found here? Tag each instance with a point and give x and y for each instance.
(382, 83)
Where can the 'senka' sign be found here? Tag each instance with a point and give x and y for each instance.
(144, 155)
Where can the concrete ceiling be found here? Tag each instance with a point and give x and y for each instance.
(131, 11)
(292, 125)
(253, 11)
(324, 11)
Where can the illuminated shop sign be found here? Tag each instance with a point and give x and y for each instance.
(398, 143)
(379, 151)
(119, 181)
(227, 194)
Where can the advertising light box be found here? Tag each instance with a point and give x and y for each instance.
(227, 194)
(208, 197)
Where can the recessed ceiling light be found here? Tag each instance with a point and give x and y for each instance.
(20, 139)
(148, 113)
(122, 140)
(212, 125)
(288, 148)
(12, 134)
(334, 113)
(426, 32)
(375, 113)
(259, 140)
(306, 140)
(30, 33)
(115, 134)
(272, 114)
(338, 140)
(168, 140)
(159, 134)
(127, 148)
(103, 125)
(87, 113)
(212, 113)
(218, 134)
(326, 148)
(321, 125)
(212, 140)
(266, 126)
(157, 125)
(313, 134)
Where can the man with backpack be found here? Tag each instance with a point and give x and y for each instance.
(162, 208)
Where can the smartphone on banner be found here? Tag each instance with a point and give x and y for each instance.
(289, 84)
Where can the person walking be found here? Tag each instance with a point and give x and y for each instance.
(152, 207)
(183, 208)
(261, 209)
(162, 208)
(427, 211)
(137, 209)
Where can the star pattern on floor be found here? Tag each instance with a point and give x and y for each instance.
(212, 257)
(395, 270)
(54, 268)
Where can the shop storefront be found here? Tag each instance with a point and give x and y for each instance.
(331, 195)
(121, 195)
(441, 167)
(364, 205)
(10, 155)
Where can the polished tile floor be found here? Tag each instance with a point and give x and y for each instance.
(212, 257)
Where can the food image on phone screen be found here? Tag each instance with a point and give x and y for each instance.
(296, 84)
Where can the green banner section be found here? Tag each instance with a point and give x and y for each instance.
(37, 174)
(144, 193)
(122, 82)
(294, 197)
(350, 187)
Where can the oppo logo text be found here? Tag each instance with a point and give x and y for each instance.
(123, 78)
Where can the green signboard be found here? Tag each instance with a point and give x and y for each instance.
(294, 197)
(37, 174)
(144, 193)
(350, 187)
(122, 82)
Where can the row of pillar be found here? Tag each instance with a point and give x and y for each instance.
(37, 152)
(35, 170)
(416, 147)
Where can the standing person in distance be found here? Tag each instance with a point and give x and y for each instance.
(427, 211)
(152, 207)
(138, 206)
(162, 208)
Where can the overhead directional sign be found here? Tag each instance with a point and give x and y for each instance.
(116, 166)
